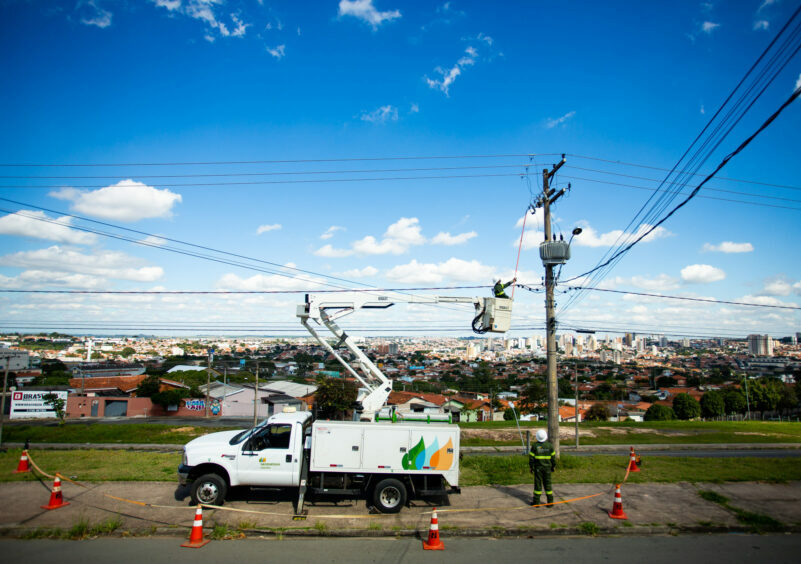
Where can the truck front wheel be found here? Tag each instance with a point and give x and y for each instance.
(389, 496)
(209, 489)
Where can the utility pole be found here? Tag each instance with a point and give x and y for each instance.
(3, 401)
(208, 379)
(575, 371)
(256, 397)
(548, 198)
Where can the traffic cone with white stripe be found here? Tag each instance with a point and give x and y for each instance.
(633, 462)
(56, 499)
(24, 465)
(196, 539)
(617, 508)
(433, 542)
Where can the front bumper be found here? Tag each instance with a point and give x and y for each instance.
(183, 474)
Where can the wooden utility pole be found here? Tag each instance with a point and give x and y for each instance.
(256, 397)
(548, 198)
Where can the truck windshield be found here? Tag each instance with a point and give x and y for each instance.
(239, 437)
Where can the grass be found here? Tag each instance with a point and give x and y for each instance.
(84, 432)
(507, 470)
(757, 522)
(657, 432)
(589, 528)
(96, 465)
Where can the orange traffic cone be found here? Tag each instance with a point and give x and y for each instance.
(24, 465)
(633, 462)
(433, 542)
(56, 499)
(617, 508)
(196, 539)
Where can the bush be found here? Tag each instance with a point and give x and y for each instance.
(734, 400)
(659, 412)
(686, 407)
(167, 398)
(713, 404)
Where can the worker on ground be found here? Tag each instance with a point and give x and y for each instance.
(541, 462)
(499, 288)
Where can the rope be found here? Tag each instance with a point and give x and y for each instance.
(519, 247)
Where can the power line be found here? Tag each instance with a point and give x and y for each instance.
(281, 161)
(225, 292)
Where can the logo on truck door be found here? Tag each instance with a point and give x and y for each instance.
(433, 457)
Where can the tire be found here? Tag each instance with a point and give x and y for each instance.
(209, 489)
(389, 496)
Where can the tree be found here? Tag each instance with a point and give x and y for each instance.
(686, 407)
(167, 398)
(734, 400)
(566, 389)
(658, 412)
(598, 412)
(533, 398)
(713, 404)
(665, 382)
(334, 397)
(149, 387)
(57, 404)
(766, 394)
(127, 351)
(508, 414)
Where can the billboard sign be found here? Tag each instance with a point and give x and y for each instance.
(31, 404)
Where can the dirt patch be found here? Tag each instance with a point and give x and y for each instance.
(180, 430)
(513, 435)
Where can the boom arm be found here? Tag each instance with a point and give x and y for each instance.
(492, 314)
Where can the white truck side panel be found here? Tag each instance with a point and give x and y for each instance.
(386, 448)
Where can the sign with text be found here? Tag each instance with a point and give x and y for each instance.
(31, 404)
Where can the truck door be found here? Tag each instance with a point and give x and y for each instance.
(270, 457)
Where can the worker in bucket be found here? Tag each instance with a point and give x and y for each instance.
(541, 462)
(499, 288)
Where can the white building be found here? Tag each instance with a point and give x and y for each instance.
(760, 345)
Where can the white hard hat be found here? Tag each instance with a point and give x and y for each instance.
(542, 436)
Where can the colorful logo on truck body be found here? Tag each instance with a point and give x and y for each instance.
(429, 458)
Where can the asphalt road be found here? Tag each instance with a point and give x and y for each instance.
(687, 549)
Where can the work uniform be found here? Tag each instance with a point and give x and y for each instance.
(542, 461)
(498, 289)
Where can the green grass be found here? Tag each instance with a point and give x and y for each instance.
(507, 470)
(96, 465)
(589, 528)
(82, 432)
(656, 432)
(80, 530)
(757, 522)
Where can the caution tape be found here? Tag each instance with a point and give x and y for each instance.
(334, 516)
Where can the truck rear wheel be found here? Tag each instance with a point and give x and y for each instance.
(389, 496)
(210, 489)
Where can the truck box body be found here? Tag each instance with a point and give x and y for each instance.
(386, 448)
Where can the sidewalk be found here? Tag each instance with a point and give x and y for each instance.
(478, 511)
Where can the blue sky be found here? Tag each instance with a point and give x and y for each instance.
(201, 81)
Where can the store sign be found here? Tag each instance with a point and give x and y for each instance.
(31, 404)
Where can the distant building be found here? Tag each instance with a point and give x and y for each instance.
(760, 345)
(106, 370)
(17, 360)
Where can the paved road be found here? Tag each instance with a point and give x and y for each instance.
(653, 549)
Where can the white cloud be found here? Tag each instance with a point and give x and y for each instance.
(330, 252)
(154, 241)
(451, 270)
(381, 115)
(765, 4)
(729, 247)
(798, 83)
(414, 109)
(764, 300)
(278, 52)
(485, 38)
(330, 231)
(709, 27)
(701, 274)
(206, 12)
(406, 231)
(703, 110)
(108, 264)
(551, 122)
(365, 272)
(589, 237)
(95, 15)
(261, 282)
(365, 11)
(126, 200)
(443, 238)
(762, 25)
(266, 228)
(659, 283)
(28, 223)
(36, 279)
(781, 286)
(449, 76)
